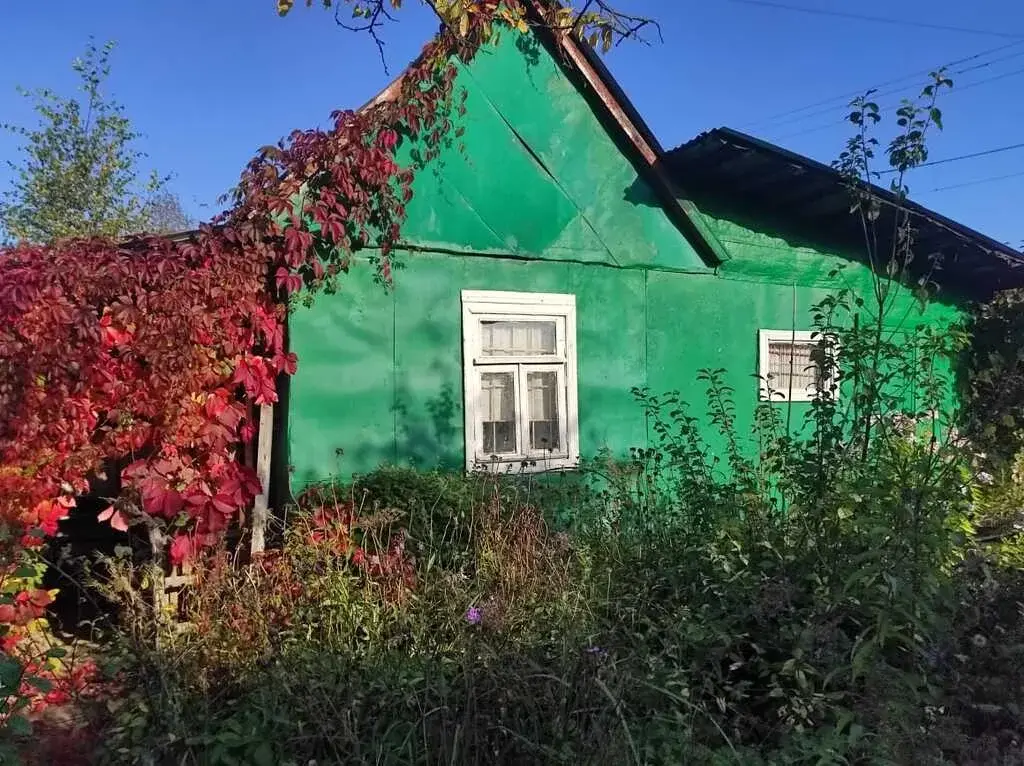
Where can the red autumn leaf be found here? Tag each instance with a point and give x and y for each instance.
(111, 336)
(286, 363)
(253, 375)
(287, 281)
(181, 549)
(115, 517)
(160, 500)
(224, 504)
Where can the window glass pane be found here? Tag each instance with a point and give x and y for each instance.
(518, 338)
(542, 388)
(791, 366)
(498, 412)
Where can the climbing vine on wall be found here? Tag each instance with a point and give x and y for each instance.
(143, 360)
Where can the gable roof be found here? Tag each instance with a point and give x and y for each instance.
(627, 128)
(772, 180)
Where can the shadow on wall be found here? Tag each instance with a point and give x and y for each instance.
(835, 236)
(426, 433)
(428, 436)
(529, 47)
(640, 194)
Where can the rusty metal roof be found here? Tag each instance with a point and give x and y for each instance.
(730, 168)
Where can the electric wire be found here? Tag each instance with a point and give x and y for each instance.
(909, 79)
(953, 92)
(881, 19)
(971, 156)
(976, 182)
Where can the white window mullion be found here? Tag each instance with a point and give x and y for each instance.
(563, 415)
(523, 410)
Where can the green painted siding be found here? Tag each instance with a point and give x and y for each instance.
(343, 398)
(539, 176)
(542, 200)
(407, 405)
(381, 377)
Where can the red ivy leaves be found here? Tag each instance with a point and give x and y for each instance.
(181, 549)
(115, 517)
(112, 351)
(254, 375)
(151, 353)
(26, 606)
(287, 281)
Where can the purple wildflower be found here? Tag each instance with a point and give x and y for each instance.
(598, 652)
(473, 615)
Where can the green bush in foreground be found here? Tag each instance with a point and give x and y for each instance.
(428, 619)
(805, 601)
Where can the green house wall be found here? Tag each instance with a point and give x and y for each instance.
(541, 199)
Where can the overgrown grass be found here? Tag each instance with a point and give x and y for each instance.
(619, 643)
(813, 599)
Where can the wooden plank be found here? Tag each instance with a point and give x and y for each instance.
(260, 509)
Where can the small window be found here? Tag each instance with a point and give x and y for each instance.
(519, 355)
(791, 366)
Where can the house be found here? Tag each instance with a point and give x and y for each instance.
(563, 257)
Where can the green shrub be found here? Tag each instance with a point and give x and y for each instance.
(784, 605)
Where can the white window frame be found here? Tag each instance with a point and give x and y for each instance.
(495, 305)
(767, 337)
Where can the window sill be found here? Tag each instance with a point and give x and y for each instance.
(519, 464)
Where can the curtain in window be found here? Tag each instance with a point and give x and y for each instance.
(518, 338)
(543, 397)
(498, 410)
(791, 367)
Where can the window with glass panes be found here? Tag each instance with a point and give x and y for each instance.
(790, 367)
(520, 379)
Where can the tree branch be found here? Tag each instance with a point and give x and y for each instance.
(584, 18)
(372, 24)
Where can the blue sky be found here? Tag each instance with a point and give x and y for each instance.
(208, 83)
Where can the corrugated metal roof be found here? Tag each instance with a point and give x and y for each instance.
(727, 165)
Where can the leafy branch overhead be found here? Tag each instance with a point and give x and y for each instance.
(600, 23)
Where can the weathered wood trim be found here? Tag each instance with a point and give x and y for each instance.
(261, 506)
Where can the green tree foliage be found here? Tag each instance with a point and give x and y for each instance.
(79, 172)
(166, 215)
(993, 379)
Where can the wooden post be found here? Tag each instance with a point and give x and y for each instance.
(260, 509)
(156, 545)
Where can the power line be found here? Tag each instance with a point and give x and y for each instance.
(954, 91)
(993, 78)
(971, 156)
(976, 182)
(986, 64)
(879, 93)
(880, 19)
(845, 97)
